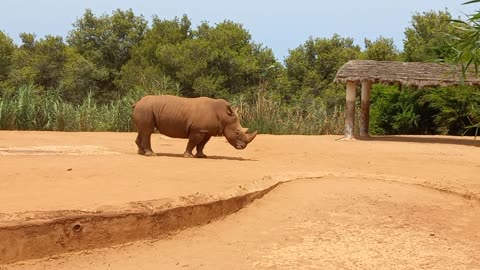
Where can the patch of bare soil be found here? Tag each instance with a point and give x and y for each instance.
(56, 150)
(326, 223)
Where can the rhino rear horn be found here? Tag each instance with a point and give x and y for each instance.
(245, 130)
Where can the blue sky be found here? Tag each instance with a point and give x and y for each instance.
(280, 25)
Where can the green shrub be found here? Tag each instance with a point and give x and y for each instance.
(457, 110)
(448, 111)
(394, 111)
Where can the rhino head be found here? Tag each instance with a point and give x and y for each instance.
(236, 135)
(239, 138)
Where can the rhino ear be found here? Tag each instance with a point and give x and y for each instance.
(229, 110)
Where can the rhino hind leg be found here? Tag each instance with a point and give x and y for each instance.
(200, 147)
(194, 139)
(145, 144)
(138, 141)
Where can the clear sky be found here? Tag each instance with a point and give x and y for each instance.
(277, 24)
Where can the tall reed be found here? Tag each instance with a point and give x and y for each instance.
(32, 109)
(271, 115)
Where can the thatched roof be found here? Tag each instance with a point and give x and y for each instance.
(405, 73)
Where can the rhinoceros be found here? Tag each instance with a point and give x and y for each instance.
(195, 119)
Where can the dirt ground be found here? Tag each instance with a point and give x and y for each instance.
(397, 202)
(326, 223)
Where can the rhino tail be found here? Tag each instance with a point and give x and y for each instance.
(133, 105)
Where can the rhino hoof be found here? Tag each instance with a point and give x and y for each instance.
(188, 155)
(149, 153)
(202, 155)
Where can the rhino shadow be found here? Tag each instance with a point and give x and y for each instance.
(420, 139)
(209, 157)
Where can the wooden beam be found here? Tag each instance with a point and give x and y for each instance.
(365, 109)
(350, 110)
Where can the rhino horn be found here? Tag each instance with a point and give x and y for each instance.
(245, 130)
(251, 136)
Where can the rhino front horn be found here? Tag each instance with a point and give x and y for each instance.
(251, 136)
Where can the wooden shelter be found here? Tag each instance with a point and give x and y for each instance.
(414, 74)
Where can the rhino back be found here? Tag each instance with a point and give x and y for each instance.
(177, 116)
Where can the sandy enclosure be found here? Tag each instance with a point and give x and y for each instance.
(54, 171)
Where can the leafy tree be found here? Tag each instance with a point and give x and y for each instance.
(425, 39)
(216, 61)
(232, 62)
(382, 49)
(23, 71)
(40, 62)
(145, 69)
(106, 42)
(28, 41)
(312, 66)
(81, 77)
(7, 49)
(50, 58)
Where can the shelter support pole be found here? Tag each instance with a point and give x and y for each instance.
(365, 109)
(350, 110)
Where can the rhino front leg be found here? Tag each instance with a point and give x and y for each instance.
(201, 145)
(193, 140)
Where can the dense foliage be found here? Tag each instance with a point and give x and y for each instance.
(89, 81)
(447, 111)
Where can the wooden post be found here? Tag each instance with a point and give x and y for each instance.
(350, 110)
(365, 112)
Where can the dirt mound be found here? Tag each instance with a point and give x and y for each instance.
(41, 234)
